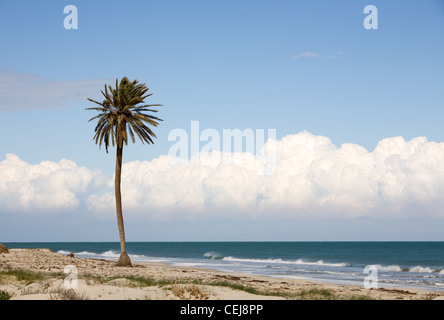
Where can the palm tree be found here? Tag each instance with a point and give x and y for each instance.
(123, 111)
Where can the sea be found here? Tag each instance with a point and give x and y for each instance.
(368, 264)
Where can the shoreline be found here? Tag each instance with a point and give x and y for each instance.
(100, 279)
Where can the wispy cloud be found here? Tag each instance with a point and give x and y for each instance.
(27, 91)
(335, 55)
(308, 54)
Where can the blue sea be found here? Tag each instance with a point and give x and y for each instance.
(405, 264)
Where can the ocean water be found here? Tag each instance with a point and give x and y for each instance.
(405, 264)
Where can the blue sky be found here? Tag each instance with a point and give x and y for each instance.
(285, 65)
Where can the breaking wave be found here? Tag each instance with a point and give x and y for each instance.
(280, 261)
(416, 269)
(110, 254)
(213, 255)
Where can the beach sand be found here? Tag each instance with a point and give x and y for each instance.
(99, 279)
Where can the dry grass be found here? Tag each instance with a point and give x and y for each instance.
(189, 292)
(67, 294)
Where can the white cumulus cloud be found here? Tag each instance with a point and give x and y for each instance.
(311, 177)
(48, 186)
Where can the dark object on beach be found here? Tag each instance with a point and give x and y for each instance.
(3, 249)
(71, 255)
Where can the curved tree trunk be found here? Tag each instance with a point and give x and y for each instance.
(124, 259)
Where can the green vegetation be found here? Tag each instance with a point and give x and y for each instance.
(22, 275)
(4, 295)
(173, 284)
(316, 294)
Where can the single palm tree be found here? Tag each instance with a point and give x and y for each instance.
(123, 111)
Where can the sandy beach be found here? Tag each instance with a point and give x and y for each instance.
(38, 274)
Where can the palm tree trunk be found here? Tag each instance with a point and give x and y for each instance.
(124, 259)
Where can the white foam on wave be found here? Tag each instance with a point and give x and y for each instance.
(81, 253)
(421, 269)
(110, 254)
(280, 261)
(388, 268)
(418, 269)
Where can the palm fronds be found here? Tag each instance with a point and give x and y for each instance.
(123, 114)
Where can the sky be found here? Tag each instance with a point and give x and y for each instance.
(345, 110)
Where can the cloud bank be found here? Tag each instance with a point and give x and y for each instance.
(313, 177)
